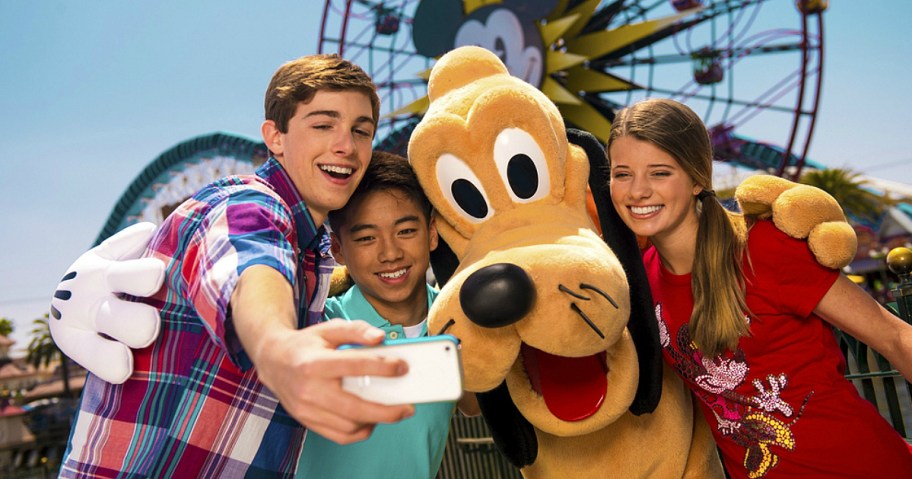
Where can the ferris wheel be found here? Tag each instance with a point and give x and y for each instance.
(180, 172)
(751, 68)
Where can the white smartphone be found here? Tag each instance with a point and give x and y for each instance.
(435, 372)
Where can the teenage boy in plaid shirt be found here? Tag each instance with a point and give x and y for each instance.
(246, 268)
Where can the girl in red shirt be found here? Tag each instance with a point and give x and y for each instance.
(746, 322)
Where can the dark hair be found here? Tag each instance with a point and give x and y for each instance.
(385, 172)
(299, 80)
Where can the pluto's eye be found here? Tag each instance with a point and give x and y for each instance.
(463, 189)
(521, 165)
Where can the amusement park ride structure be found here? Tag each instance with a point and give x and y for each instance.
(734, 61)
(742, 67)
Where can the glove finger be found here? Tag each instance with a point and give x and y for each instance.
(138, 277)
(59, 301)
(109, 360)
(128, 243)
(134, 324)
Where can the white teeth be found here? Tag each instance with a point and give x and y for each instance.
(645, 210)
(336, 169)
(394, 274)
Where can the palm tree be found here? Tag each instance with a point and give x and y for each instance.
(42, 351)
(858, 203)
(6, 326)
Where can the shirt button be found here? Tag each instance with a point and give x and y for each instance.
(394, 334)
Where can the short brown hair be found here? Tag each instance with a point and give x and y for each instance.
(299, 80)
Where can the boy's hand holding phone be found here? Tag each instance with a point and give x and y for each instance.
(435, 372)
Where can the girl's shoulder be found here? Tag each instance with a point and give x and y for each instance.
(765, 238)
(771, 250)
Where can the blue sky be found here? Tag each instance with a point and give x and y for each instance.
(91, 92)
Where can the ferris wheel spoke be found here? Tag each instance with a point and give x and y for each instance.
(688, 57)
(734, 101)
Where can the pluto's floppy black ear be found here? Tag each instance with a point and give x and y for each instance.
(513, 434)
(443, 262)
(642, 325)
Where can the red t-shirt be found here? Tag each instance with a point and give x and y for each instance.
(779, 405)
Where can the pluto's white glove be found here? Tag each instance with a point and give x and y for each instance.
(90, 323)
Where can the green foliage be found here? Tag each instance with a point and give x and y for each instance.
(41, 349)
(849, 191)
(6, 326)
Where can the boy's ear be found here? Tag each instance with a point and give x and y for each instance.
(433, 238)
(272, 137)
(336, 248)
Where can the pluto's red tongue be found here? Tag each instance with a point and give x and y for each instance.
(573, 388)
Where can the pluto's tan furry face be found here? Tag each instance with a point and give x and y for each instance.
(538, 300)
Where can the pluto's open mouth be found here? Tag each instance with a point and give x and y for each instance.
(573, 388)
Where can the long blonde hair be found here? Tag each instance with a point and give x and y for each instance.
(718, 319)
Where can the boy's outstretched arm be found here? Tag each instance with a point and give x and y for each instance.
(303, 367)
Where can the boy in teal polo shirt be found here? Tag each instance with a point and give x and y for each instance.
(384, 236)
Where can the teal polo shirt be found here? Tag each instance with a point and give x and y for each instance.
(412, 448)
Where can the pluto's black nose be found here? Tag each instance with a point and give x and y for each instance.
(497, 295)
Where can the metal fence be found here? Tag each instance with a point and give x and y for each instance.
(879, 383)
(872, 375)
(470, 452)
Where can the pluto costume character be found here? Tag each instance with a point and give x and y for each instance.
(556, 325)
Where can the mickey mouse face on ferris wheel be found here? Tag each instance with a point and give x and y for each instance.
(509, 29)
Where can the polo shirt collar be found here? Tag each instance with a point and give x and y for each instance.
(358, 307)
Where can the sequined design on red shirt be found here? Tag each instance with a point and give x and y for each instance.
(756, 422)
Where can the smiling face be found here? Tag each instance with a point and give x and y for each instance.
(326, 148)
(653, 194)
(385, 241)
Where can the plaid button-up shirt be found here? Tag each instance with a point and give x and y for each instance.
(194, 406)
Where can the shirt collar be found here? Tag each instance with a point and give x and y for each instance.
(309, 235)
(360, 308)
